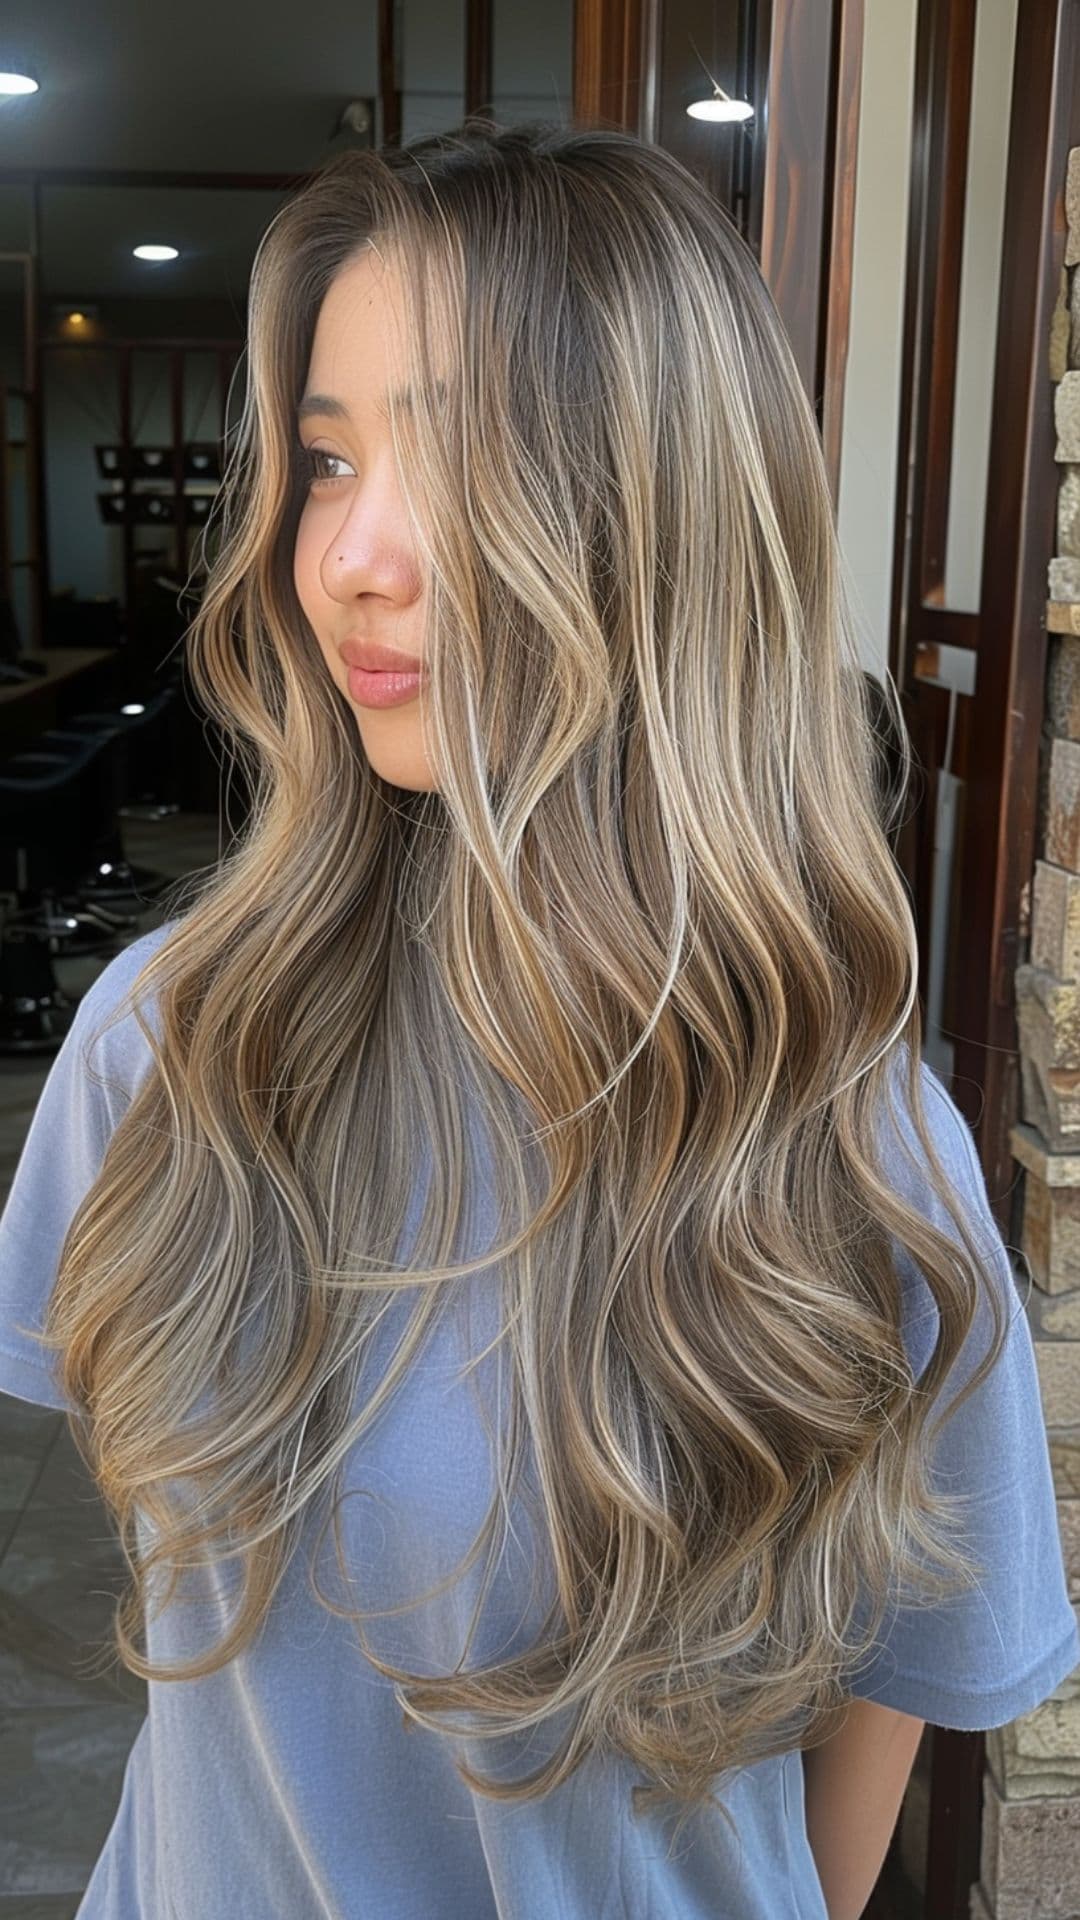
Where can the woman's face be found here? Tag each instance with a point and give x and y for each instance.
(354, 562)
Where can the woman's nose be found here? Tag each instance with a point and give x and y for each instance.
(370, 562)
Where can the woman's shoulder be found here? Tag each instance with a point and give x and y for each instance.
(111, 1043)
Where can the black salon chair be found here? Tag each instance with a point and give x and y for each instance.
(48, 819)
(142, 775)
(74, 891)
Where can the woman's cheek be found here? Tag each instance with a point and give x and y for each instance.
(305, 566)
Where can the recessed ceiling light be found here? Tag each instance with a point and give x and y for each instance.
(155, 253)
(720, 107)
(17, 83)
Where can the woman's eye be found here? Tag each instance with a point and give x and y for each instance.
(310, 459)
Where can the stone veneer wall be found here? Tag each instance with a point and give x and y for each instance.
(1030, 1864)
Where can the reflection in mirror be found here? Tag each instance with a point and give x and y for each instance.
(138, 358)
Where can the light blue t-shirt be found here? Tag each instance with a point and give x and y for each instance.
(286, 1787)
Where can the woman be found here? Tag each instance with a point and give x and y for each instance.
(568, 981)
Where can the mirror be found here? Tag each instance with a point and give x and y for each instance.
(145, 353)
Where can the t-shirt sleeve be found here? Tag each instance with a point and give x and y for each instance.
(983, 1656)
(86, 1090)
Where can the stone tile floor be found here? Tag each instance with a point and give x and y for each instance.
(67, 1721)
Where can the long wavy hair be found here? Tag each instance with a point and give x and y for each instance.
(646, 949)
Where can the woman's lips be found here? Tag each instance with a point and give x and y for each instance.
(383, 689)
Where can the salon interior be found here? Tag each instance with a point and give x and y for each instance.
(142, 154)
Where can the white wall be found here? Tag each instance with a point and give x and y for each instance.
(869, 448)
(868, 451)
(995, 35)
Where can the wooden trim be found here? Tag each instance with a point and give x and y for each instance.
(957, 1762)
(941, 109)
(389, 118)
(478, 59)
(942, 627)
(649, 105)
(753, 213)
(1021, 506)
(839, 269)
(607, 63)
(796, 208)
(919, 620)
(953, 53)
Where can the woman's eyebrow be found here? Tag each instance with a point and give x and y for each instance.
(322, 403)
(331, 408)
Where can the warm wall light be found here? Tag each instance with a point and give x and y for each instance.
(720, 106)
(155, 253)
(73, 316)
(75, 324)
(17, 83)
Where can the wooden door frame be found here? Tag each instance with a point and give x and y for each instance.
(1002, 754)
(999, 757)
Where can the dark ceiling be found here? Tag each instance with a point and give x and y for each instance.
(238, 88)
